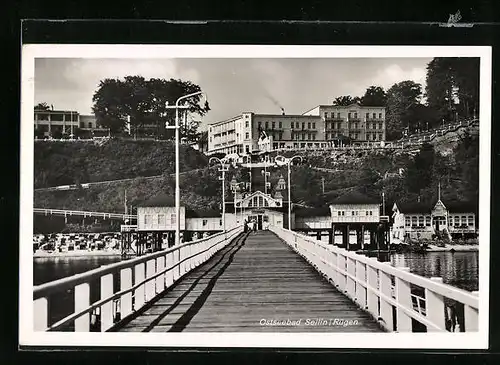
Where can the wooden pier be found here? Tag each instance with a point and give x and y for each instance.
(245, 287)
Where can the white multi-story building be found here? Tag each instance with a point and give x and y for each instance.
(422, 221)
(320, 127)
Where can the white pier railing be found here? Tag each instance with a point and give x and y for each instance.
(141, 279)
(84, 214)
(392, 295)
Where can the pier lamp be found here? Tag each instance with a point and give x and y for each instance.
(177, 106)
(223, 169)
(281, 161)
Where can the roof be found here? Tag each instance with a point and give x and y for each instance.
(313, 212)
(455, 206)
(414, 207)
(161, 200)
(207, 213)
(354, 198)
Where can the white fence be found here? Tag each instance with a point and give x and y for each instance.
(387, 292)
(84, 214)
(141, 279)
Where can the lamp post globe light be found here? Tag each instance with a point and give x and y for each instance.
(223, 169)
(177, 172)
(281, 161)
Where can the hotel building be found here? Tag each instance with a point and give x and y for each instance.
(320, 127)
(48, 121)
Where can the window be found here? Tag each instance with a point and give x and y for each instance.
(326, 115)
(355, 115)
(172, 218)
(367, 115)
(147, 219)
(266, 203)
(291, 125)
(374, 115)
(247, 135)
(348, 115)
(352, 212)
(250, 203)
(255, 203)
(338, 115)
(280, 125)
(471, 220)
(303, 136)
(259, 125)
(451, 221)
(308, 135)
(246, 124)
(380, 136)
(267, 125)
(380, 126)
(314, 125)
(407, 222)
(303, 125)
(428, 221)
(161, 219)
(379, 115)
(413, 221)
(309, 125)
(90, 124)
(204, 222)
(314, 137)
(220, 222)
(371, 212)
(421, 221)
(273, 124)
(261, 201)
(339, 213)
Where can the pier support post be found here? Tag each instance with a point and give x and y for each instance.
(107, 308)
(126, 299)
(385, 306)
(372, 289)
(139, 292)
(434, 306)
(471, 317)
(41, 314)
(318, 236)
(82, 301)
(403, 297)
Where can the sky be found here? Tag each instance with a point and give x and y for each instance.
(232, 85)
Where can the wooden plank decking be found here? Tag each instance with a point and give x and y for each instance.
(253, 279)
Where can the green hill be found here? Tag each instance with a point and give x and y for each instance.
(65, 163)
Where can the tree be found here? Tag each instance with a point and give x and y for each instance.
(453, 86)
(144, 101)
(345, 100)
(42, 106)
(418, 175)
(403, 99)
(374, 96)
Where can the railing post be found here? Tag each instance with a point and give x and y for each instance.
(403, 297)
(139, 292)
(126, 299)
(106, 308)
(341, 263)
(360, 289)
(160, 280)
(41, 314)
(471, 317)
(150, 285)
(385, 306)
(372, 289)
(169, 263)
(176, 270)
(434, 307)
(82, 301)
(350, 282)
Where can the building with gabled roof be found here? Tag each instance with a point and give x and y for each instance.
(418, 220)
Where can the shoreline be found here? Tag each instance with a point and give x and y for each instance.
(78, 253)
(457, 248)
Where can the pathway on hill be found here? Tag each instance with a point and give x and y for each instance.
(96, 183)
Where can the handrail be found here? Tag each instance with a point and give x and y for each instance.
(368, 283)
(118, 294)
(83, 212)
(153, 273)
(71, 281)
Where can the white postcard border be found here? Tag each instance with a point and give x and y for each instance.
(28, 337)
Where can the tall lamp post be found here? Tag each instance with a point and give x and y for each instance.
(177, 183)
(280, 161)
(223, 169)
